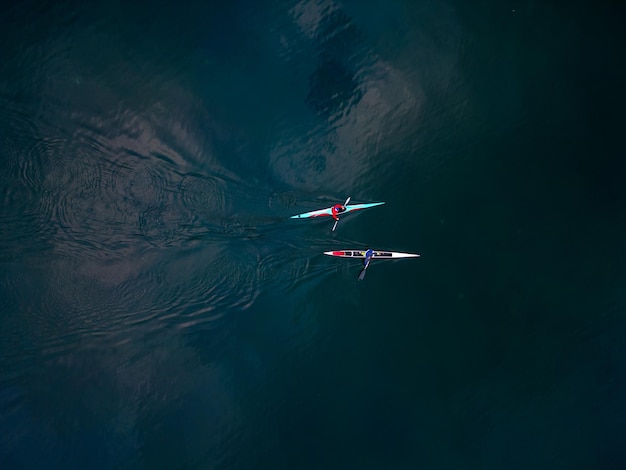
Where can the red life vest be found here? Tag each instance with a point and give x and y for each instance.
(336, 210)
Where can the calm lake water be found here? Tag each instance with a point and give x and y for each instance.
(159, 309)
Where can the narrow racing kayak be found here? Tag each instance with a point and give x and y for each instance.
(375, 255)
(368, 256)
(329, 212)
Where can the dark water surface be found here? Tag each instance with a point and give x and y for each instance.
(158, 309)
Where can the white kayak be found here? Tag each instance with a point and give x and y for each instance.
(376, 255)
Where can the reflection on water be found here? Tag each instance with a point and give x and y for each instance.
(366, 103)
(333, 85)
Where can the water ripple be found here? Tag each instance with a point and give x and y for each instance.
(21, 176)
(203, 196)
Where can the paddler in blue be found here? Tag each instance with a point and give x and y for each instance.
(336, 210)
(369, 254)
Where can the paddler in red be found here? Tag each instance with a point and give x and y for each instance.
(336, 210)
